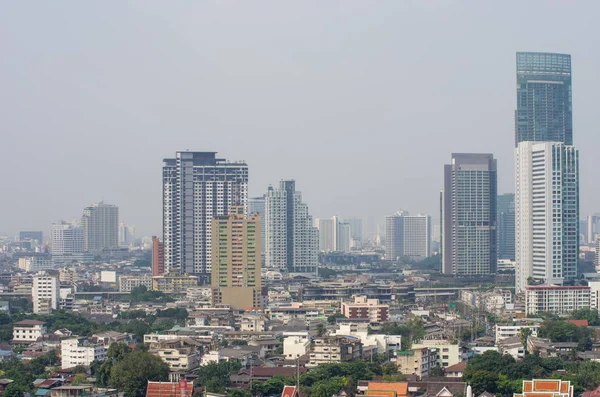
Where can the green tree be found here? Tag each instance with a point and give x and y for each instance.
(321, 329)
(482, 381)
(524, 334)
(586, 314)
(436, 371)
(389, 369)
(215, 376)
(131, 374)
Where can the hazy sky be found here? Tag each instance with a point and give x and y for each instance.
(362, 102)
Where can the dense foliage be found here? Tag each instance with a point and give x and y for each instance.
(563, 331)
(412, 331)
(502, 375)
(130, 370)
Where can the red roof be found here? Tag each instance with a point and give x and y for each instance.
(458, 367)
(30, 322)
(269, 372)
(559, 287)
(289, 391)
(164, 389)
(579, 323)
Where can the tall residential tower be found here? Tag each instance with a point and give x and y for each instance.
(291, 240)
(100, 223)
(197, 186)
(469, 215)
(236, 273)
(407, 236)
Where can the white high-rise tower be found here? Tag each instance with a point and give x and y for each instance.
(547, 213)
(291, 240)
(197, 186)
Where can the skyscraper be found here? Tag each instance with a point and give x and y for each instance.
(291, 240)
(506, 226)
(469, 215)
(343, 237)
(547, 213)
(327, 241)
(236, 273)
(126, 234)
(197, 186)
(100, 223)
(546, 171)
(356, 228)
(407, 236)
(544, 107)
(592, 228)
(256, 205)
(66, 239)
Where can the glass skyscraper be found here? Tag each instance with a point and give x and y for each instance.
(544, 109)
(469, 242)
(506, 226)
(547, 172)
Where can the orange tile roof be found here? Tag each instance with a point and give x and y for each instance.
(289, 391)
(401, 388)
(169, 389)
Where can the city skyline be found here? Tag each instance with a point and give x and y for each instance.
(373, 104)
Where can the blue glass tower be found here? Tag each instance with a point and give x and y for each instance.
(544, 107)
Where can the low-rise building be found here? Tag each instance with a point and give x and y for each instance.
(334, 349)
(556, 299)
(81, 351)
(128, 283)
(174, 282)
(181, 354)
(296, 344)
(417, 361)
(32, 264)
(370, 309)
(28, 331)
(512, 346)
(253, 323)
(504, 331)
(447, 353)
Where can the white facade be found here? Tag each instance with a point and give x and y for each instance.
(35, 264)
(66, 238)
(126, 234)
(291, 240)
(547, 213)
(80, 351)
(407, 235)
(197, 186)
(28, 331)
(343, 237)
(127, 283)
(326, 234)
(556, 299)
(447, 353)
(296, 344)
(100, 223)
(504, 331)
(45, 293)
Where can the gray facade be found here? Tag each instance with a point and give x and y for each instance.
(544, 104)
(197, 186)
(469, 241)
(506, 226)
(407, 236)
(36, 236)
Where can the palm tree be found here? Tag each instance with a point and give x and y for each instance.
(321, 329)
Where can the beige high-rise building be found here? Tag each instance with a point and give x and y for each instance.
(236, 274)
(100, 223)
